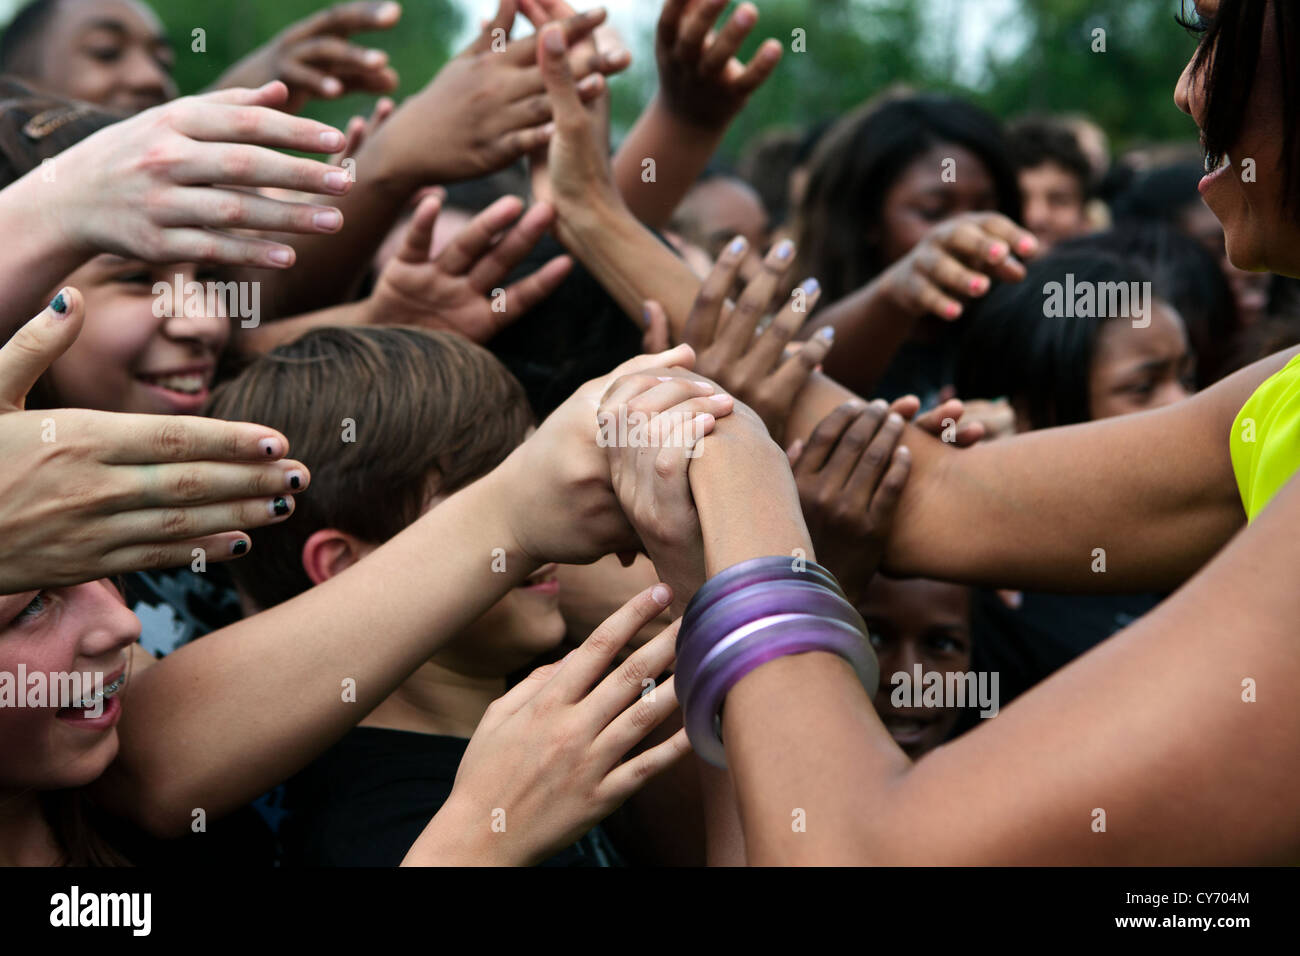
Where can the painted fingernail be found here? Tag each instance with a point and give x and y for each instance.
(239, 547)
(661, 594)
(827, 333)
(281, 257)
(811, 286)
(59, 304)
(1026, 245)
(998, 251)
(738, 245)
(979, 285)
(332, 139)
(327, 221)
(952, 310)
(784, 249)
(295, 480)
(554, 39)
(336, 180)
(270, 447)
(280, 507)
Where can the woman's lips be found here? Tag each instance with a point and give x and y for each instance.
(543, 581)
(1214, 175)
(107, 718)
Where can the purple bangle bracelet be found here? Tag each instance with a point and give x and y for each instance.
(755, 602)
(783, 636)
(749, 614)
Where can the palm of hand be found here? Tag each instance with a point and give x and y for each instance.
(423, 294)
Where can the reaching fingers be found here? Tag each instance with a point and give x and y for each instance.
(630, 679)
(628, 777)
(175, 554)
(738, 329)
(186, 484)
(240, 165)
(476, 238)
(572, 29)
(419, 234)
(154, 525)
(826, 436)
(720, 48)
(33, 348)
(235, 209)
(257, 125)
(695, 29)
(765, 350)
(525, 294)
(153, 439)
(589, 661)
(884, 503)
(347, 18)
(788, 380)
(702, 323)
(873, 462)
(511, 249)
(761, 66)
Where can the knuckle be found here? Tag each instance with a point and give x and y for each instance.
(172, 441)
(176, 522)
(155, 556)
(189, 486)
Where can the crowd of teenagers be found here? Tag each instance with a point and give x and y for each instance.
(916, 490)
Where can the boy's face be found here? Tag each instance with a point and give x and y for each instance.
(917, 621)
(519, 628)
(112, 53)
(1053, 203)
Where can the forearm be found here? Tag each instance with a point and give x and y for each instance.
(680, 153)
(267, 336)
(283, 685)
(725, 835)
(1178, 741)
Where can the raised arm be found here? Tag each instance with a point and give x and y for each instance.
(224, 718)
(1163, 745)
(1155, 490)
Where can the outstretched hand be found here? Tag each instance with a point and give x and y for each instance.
(459, 288)
(87, 494)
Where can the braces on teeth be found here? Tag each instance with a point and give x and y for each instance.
(108, 691)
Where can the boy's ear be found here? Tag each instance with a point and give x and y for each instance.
(329, 552)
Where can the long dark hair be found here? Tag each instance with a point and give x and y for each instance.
(857, 163)
(1229, 55)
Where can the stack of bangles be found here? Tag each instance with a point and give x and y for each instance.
(749, 614)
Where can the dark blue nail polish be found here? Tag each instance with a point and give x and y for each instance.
(280, 506)
(239, 547)
(60, 304)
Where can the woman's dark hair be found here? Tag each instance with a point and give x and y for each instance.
(858, 161)
(1229, 55)
(1041, 364)
(1187, 276)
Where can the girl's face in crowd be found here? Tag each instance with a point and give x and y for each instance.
(917, 621)
(113, 53)
(82, 629)
(1134, 369)
(127, 359)
(1257, 227)
(919, 199)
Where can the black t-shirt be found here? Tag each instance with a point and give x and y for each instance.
(365, 801)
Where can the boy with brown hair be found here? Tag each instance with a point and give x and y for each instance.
(391, 421)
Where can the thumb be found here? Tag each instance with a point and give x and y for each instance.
(560, 85)
(655, 332)
(34, 347)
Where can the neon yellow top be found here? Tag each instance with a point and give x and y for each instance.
(1265, 441)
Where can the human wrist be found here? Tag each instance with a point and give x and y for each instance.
(510, 513)
(454, 837)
